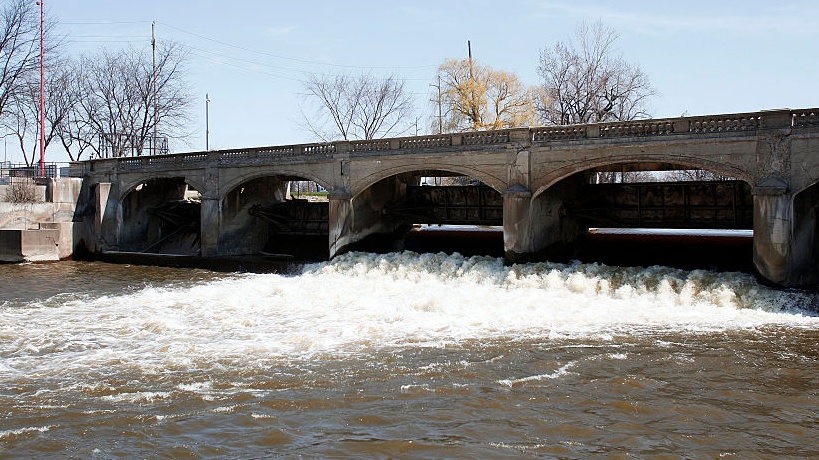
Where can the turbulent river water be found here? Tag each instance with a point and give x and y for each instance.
(404, 355)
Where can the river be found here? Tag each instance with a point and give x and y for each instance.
(404, 355)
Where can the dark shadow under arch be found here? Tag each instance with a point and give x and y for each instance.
(161, 215)
(651, 162)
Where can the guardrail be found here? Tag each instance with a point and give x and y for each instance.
(739, 122)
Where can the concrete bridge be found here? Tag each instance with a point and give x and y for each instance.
(531, 180)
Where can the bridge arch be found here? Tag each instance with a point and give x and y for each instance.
(805, 235)
(128, 186)
(389, 208)
(689, 162)
(236, 181)
(255, 207)
(158, 215)
(368, 181)
(566, 204)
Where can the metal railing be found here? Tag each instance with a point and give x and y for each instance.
(32, 171)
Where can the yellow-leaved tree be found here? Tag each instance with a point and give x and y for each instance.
(472, 97)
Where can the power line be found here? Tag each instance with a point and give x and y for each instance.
(246, 69)
(277, 56)
(235, 46)
(225, 56)
(209, 54)
(111, 36)
(263, 64)
(103, 41)
(103, 23)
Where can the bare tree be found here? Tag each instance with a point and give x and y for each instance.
(19, 47)
(622, 177)
(474, 97)
(686, 175)
(72, 128)
(585, 82)
(22, 114)
(21, 118)
(116, 114)
(362, 107)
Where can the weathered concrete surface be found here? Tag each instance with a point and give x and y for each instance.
(785, 236)
(65, 237)
(534, 169)
(41, 231)
(40, 192)
(240, 233)
(29, 245)
(30, 215)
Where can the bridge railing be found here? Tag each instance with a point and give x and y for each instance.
(697, 125)
(805, 118)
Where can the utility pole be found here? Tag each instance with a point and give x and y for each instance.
(156, 108)
(42, 91)
(207, 122)
(439, 101)
(440, 114)
(473, 103)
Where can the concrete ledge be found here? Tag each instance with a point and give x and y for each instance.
(29, 245)
(65, 237)
(771, 186)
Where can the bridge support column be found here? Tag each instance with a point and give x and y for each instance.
(340, 218)
(785, 236)
(102, 225)
(108, 224)
(534, 227)
(360, 223)
(518, 242)
(211, 224)
(103, 190)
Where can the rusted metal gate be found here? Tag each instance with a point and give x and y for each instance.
(451, 205)
(703, 204)
(295, 217)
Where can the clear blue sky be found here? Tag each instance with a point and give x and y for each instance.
(703, 57)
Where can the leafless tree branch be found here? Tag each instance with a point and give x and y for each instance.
(362, 107)
(585, 82)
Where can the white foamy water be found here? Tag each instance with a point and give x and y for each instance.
(360, 302)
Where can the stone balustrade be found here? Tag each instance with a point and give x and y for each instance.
(803, 118)
(558, 133)
(698, 125)
(637, 128)
(738, 122)
(420, 142)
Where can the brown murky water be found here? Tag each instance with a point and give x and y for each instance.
(404, 356)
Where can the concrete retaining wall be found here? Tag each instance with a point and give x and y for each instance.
(29, 245)
(41, 231)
